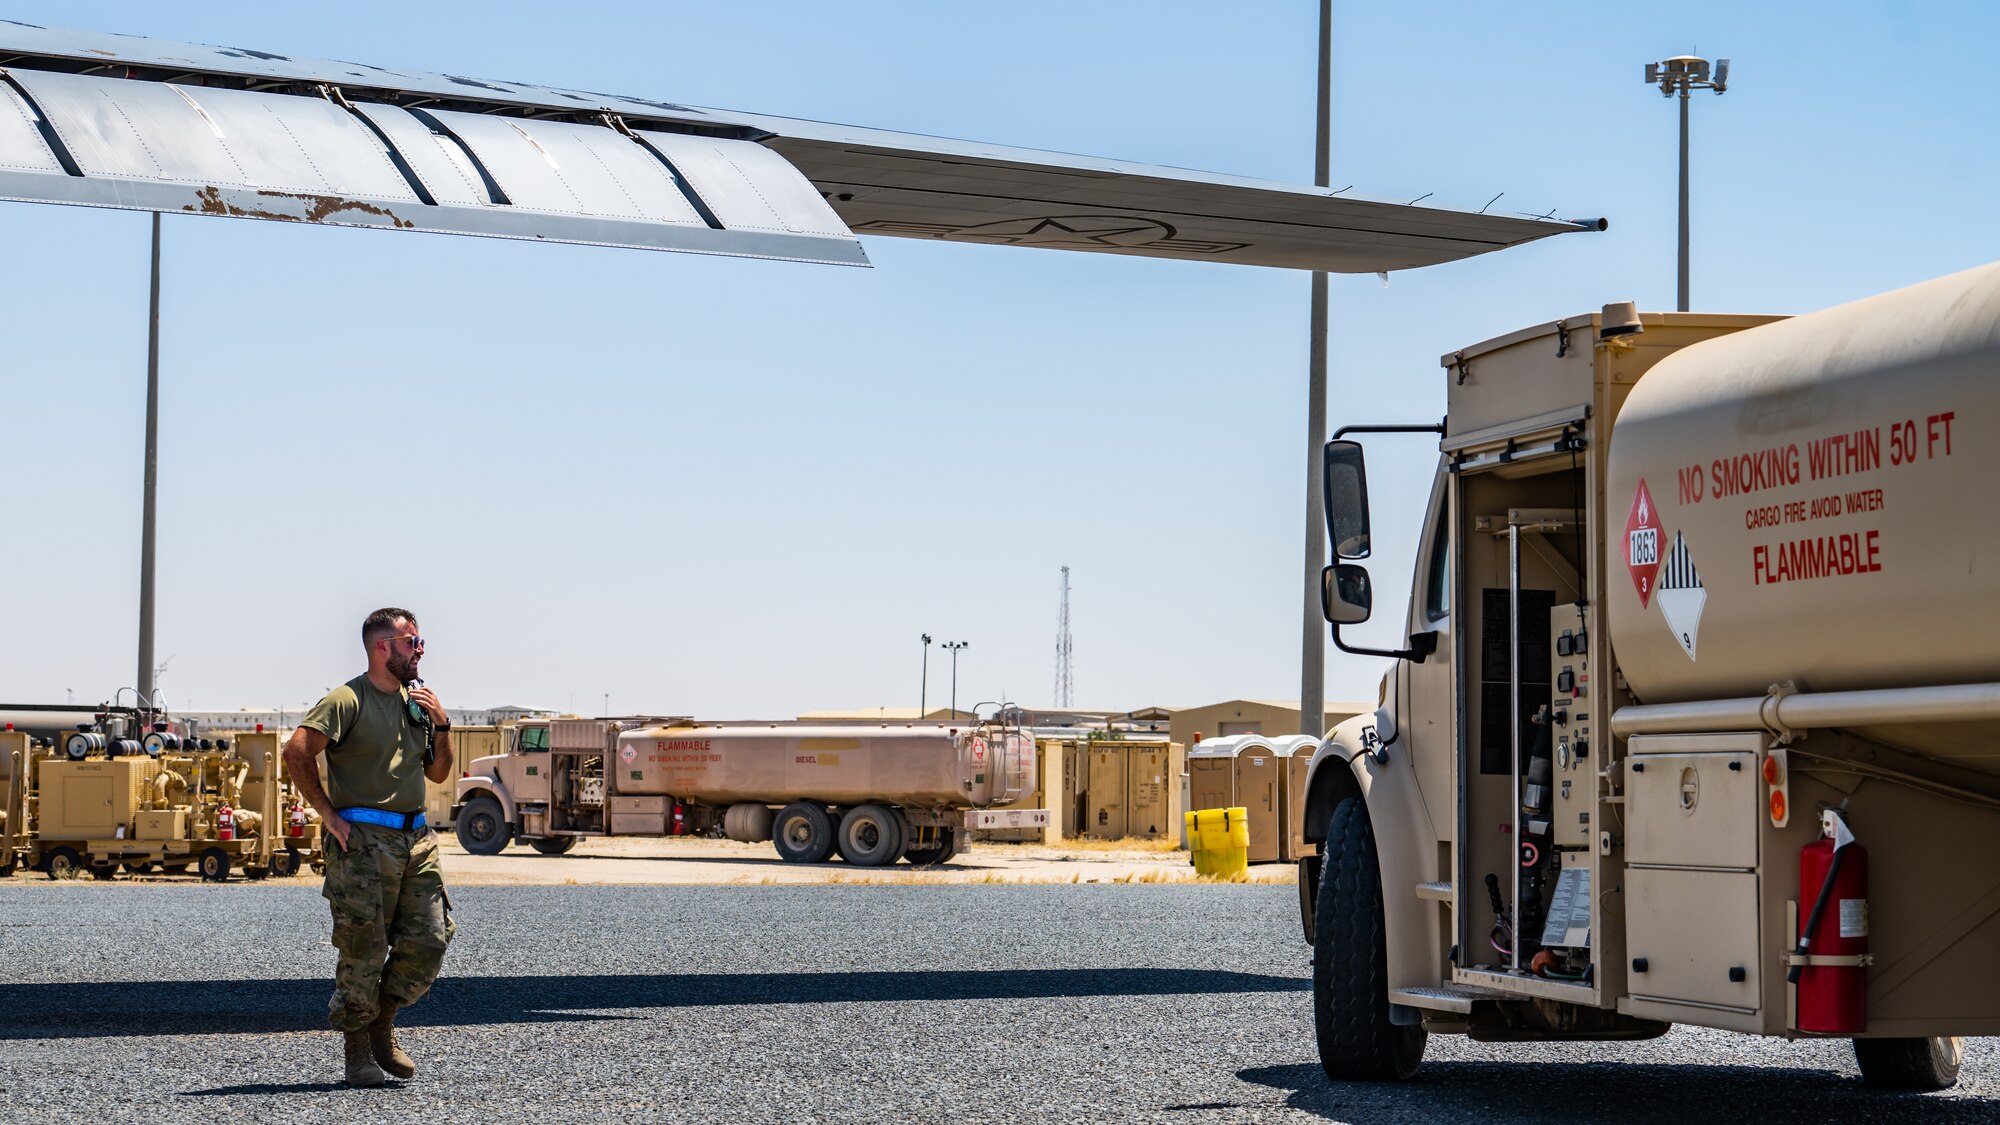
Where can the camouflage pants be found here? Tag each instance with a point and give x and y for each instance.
(391, 921)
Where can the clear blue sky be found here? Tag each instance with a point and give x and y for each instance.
(734, 488)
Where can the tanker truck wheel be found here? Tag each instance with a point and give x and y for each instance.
(803, 833)
(944, 849)
(1910, 1064)
(553, 845)
(871, 836)
(1350, 962)
(62, 863)
(482, 830)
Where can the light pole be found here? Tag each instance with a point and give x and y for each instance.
(147, 518)
(923, 694)
(1312, 642)
(955, 647)
(1684, 74)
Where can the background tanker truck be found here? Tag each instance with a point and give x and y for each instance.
(1698, 715)
(874, 794)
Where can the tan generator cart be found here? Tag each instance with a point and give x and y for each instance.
(160, 801)
(1695, 714)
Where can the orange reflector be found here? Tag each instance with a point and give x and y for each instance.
(1772, 774)
(1777, 805)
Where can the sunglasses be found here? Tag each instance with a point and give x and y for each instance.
(415, 642)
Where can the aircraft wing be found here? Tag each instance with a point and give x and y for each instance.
(123, 121)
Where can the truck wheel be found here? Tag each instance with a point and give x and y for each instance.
(103, 870)
(871, 836)
(1910, 1064)
(214, 865)
(482, 830)
(62, 863)
(944, 849)
(285, 863)
(1350, 962)
(553, 845)
(803, 833)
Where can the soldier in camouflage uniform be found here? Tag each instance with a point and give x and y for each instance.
(383, 733)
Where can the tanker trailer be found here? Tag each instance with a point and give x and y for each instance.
(1697, 718)
(872, 794)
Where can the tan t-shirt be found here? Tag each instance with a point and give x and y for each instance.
(376, 756)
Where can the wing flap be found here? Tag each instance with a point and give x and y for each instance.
(165, 146)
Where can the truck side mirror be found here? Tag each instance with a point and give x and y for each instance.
(1345, 595)
(1344, 486)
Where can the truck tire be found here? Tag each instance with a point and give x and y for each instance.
(285, 862)
(943, 850)
(482, 830)
(803, 833)
(872, 836)
(213, 863)
(553, 845)
(1357, 1041)
(62, 863)
(1910, 1064)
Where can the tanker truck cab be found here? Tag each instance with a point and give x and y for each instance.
(1694, 715)
(548, 790)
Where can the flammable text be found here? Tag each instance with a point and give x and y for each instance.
(1819, 556)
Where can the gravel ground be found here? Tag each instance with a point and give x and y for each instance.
(862, 1003)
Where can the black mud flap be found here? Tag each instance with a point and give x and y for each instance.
(1308, 894)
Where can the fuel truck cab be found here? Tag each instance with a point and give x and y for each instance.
(1696, 717)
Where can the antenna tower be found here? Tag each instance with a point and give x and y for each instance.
(1064, 686)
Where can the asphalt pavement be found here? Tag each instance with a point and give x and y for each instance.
(844, 1003)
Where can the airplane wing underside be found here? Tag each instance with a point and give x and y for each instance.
(122, 121)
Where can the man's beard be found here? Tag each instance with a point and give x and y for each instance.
(404, 668)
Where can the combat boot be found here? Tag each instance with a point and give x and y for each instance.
(361, 1068)
(382, 1041)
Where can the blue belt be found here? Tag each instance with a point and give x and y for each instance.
(409, 822)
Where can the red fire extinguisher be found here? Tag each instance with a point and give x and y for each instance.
(680, 819)
(225, 823)
(298, 820)
(1833, 998)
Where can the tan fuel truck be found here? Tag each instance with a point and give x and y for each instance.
(1698, 716)
(874, 794)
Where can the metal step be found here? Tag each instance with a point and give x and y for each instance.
(1436, 892)
(1446, 997)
